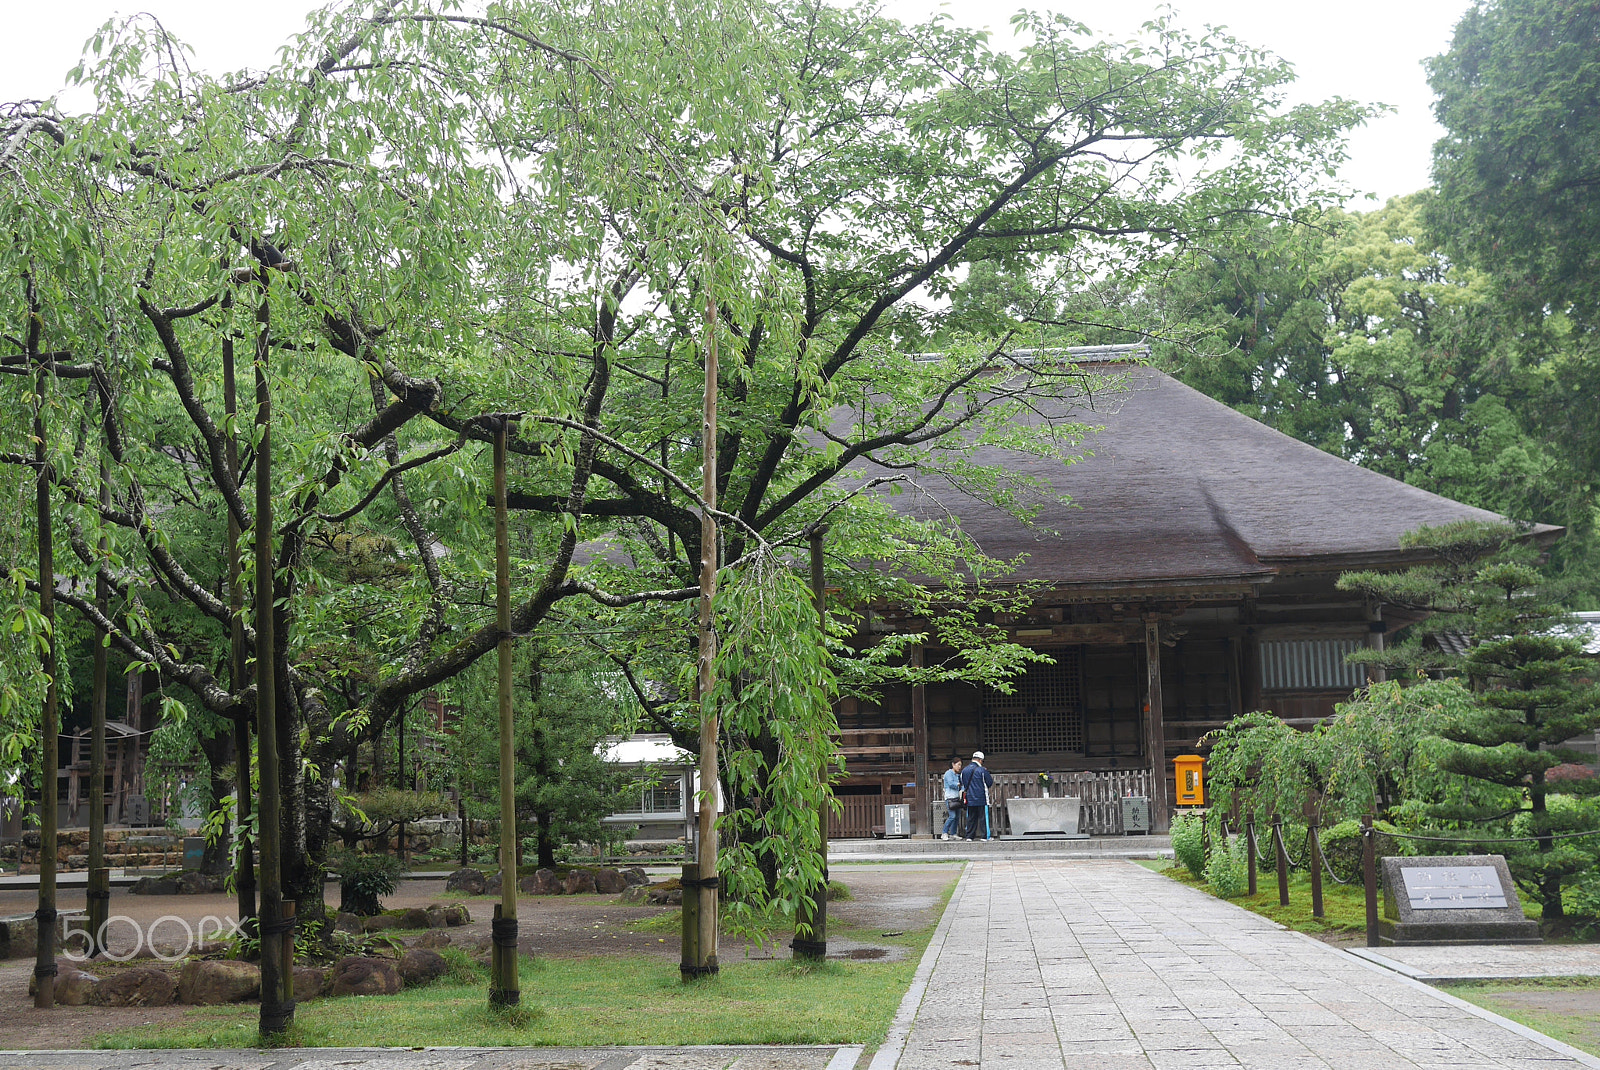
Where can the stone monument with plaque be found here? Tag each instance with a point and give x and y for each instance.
(1054, 818)
(1452, 899)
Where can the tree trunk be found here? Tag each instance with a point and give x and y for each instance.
(547, 839)
(218, 750)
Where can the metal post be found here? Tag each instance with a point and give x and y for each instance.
(1369, 876)
(813, 918)
(706, 830)
(1283, 861)
(1250, 850)
(504, 986)
(277, 975)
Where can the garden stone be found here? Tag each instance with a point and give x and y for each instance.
(467, 880)
(218, 981)
(432, 939)
(414, 918)
(379, 923)
(309, 981)
(74, 988)
(578, 883)
(142, 986)
(421, 966)
(457, 914)
(358, 976)
(635, 876)
(636, 893)
(193, 883)
(491, 883)
(609, 881)
(435, 914)
(347, 923)
(155, 886)
(546, 882)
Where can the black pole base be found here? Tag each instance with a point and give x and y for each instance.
(504, 997)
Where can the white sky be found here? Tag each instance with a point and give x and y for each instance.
(1369, 50)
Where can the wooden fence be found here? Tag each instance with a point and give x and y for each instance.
(1101, 793)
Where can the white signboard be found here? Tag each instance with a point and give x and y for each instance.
(1453, 887)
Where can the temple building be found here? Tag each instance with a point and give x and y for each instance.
(1191, 578)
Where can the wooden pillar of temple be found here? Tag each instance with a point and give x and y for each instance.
(1155, 728)
(1250, 660)
(920, 800)
(1375, 631)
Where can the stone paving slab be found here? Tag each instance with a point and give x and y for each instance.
(1104, 965)
(711, 1057)
(1487, 962)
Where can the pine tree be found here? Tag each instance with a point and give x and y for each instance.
(1531, 685)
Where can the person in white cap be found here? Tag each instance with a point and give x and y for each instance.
(975, 783)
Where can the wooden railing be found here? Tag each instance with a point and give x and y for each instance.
(1101, 793)
(859, 815)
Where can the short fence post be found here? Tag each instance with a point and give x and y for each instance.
(1315, 849)
(1283, 861)
(1369, 876)
(1250, 849)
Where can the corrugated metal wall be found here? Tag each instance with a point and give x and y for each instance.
(1310, 665)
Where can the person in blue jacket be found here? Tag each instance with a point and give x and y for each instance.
(952, 799)
(976, 782)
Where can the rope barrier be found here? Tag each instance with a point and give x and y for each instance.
(1492, 839)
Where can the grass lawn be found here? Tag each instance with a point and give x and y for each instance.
(1567, 1009)
(589, 1001)
(1344, 905)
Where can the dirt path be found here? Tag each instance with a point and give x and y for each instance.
(885, 898)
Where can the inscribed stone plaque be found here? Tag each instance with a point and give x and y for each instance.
(1452, 899)
(1453, 888)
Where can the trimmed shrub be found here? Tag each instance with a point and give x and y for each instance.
(1189, 843)
(1225, 869)
(1341, 846)
(365, 877)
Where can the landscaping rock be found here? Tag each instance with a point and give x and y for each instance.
(194, 883)
(74, 988)
(380, 922)
(214, 981)
(420, 966)
(491, 884)
(636, 893)
(414, 918)
(609, 881)
(667, 893)
(347, 923)
(578, 883)
(468, 880)
(435, 916)
(142, 986)
(357, 976)
(432, 939)
(155, 886)
(309, 981)
(635, 876)
(546, 882)
(457, 914)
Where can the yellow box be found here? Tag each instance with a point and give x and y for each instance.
(1189, 771)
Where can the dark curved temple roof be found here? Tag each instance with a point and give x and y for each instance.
(1180, 490)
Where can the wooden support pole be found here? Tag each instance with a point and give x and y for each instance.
(1369, 877)
(277, 972)
(920, 799)
(1314, 848)
(99, 892)
(44, 969)
(1250, 850)
(1283, 861)
(1250, 660)
(1375, 633)
(689, 957)
(1155, 729)
(244, 877)
(504, 986)
(705, 962)
(812, 919)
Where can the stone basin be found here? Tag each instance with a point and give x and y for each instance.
(1031, 817)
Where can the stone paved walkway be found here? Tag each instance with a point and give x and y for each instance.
(1108, 966)
(1488, 963)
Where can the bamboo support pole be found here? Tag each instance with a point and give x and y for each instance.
(504, 985)
(812, 919)
(44, 969)
(244, 878)
(1283, 861)
(277, 975)
(705, 962)
(98, 899)
(1250, 850)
